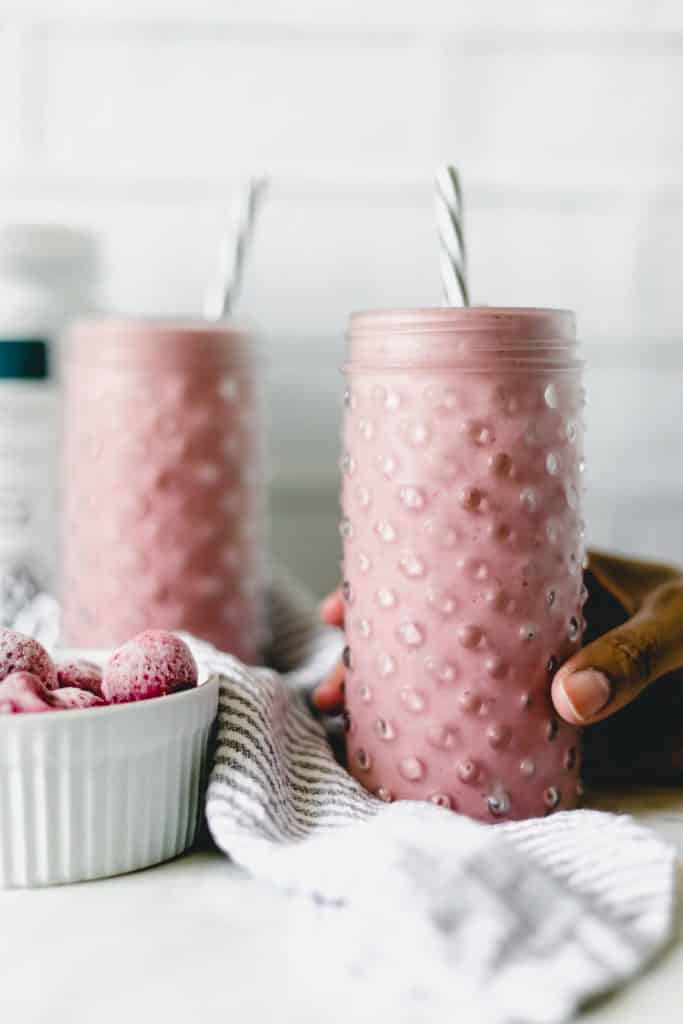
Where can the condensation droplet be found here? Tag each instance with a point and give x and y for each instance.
(570, 431)
(365, 628)
(441, 736)
(552, 665)
(442, 800)
(347, 592)
(385, 531)
(389, 466)
(570, 759)
(579, 788)
(363, 760)
(527, 767)
(498, 802)
(364, 562)
(347, 658)
(551, 797)
(469, 636)
(552, 463)
(582, 465)
(392, 401)
(365, 693)
(384, 729)
(411, 768)
(412, 700)
(412, 498)
(525, 700)
(573, 630)
(467, 770)
(384, 794)
(386, 598)
(345, 528)
(550, 596)
(498, 735)
(410, 634)
(346, 721)
(349, 399)
(528, 631)
(411, 565)
(573, 563)
(583, 597)
(551, 729)
(550, 396)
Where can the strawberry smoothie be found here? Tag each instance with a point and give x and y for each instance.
(161, 505)
(463, 551)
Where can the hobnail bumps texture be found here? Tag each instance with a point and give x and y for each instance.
(463, 552)
(162, 511)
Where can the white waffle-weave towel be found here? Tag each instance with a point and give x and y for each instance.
(422, 911)
(415, 912)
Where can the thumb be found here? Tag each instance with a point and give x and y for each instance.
(614, 669)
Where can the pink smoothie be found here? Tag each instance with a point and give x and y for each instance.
(463, 550)
(161, 506)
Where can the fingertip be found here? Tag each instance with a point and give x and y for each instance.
(563, 704)
(580, 696)
(332, 609)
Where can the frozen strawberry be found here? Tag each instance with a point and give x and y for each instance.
(19, 653)
(22, 692)
(71, 697)
(80, 673)
(155, 663)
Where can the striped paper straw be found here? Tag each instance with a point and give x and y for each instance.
(224, 287)
(449, 220)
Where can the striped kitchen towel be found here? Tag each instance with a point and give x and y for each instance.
(406, 911)
(417, 911)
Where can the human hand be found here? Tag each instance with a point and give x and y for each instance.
(634, 638)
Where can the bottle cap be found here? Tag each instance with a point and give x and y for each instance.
(23, 359)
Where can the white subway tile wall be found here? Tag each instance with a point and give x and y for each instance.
(138, 119)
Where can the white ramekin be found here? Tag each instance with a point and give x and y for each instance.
(102, 791)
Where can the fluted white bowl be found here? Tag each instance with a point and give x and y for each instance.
(101, 791)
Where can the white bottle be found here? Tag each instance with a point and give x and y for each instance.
(47, 275)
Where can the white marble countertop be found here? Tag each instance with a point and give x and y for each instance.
(194, 938)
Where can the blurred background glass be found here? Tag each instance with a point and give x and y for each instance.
(137, 122)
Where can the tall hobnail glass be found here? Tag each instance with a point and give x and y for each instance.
(161, 484)
(462, 460)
